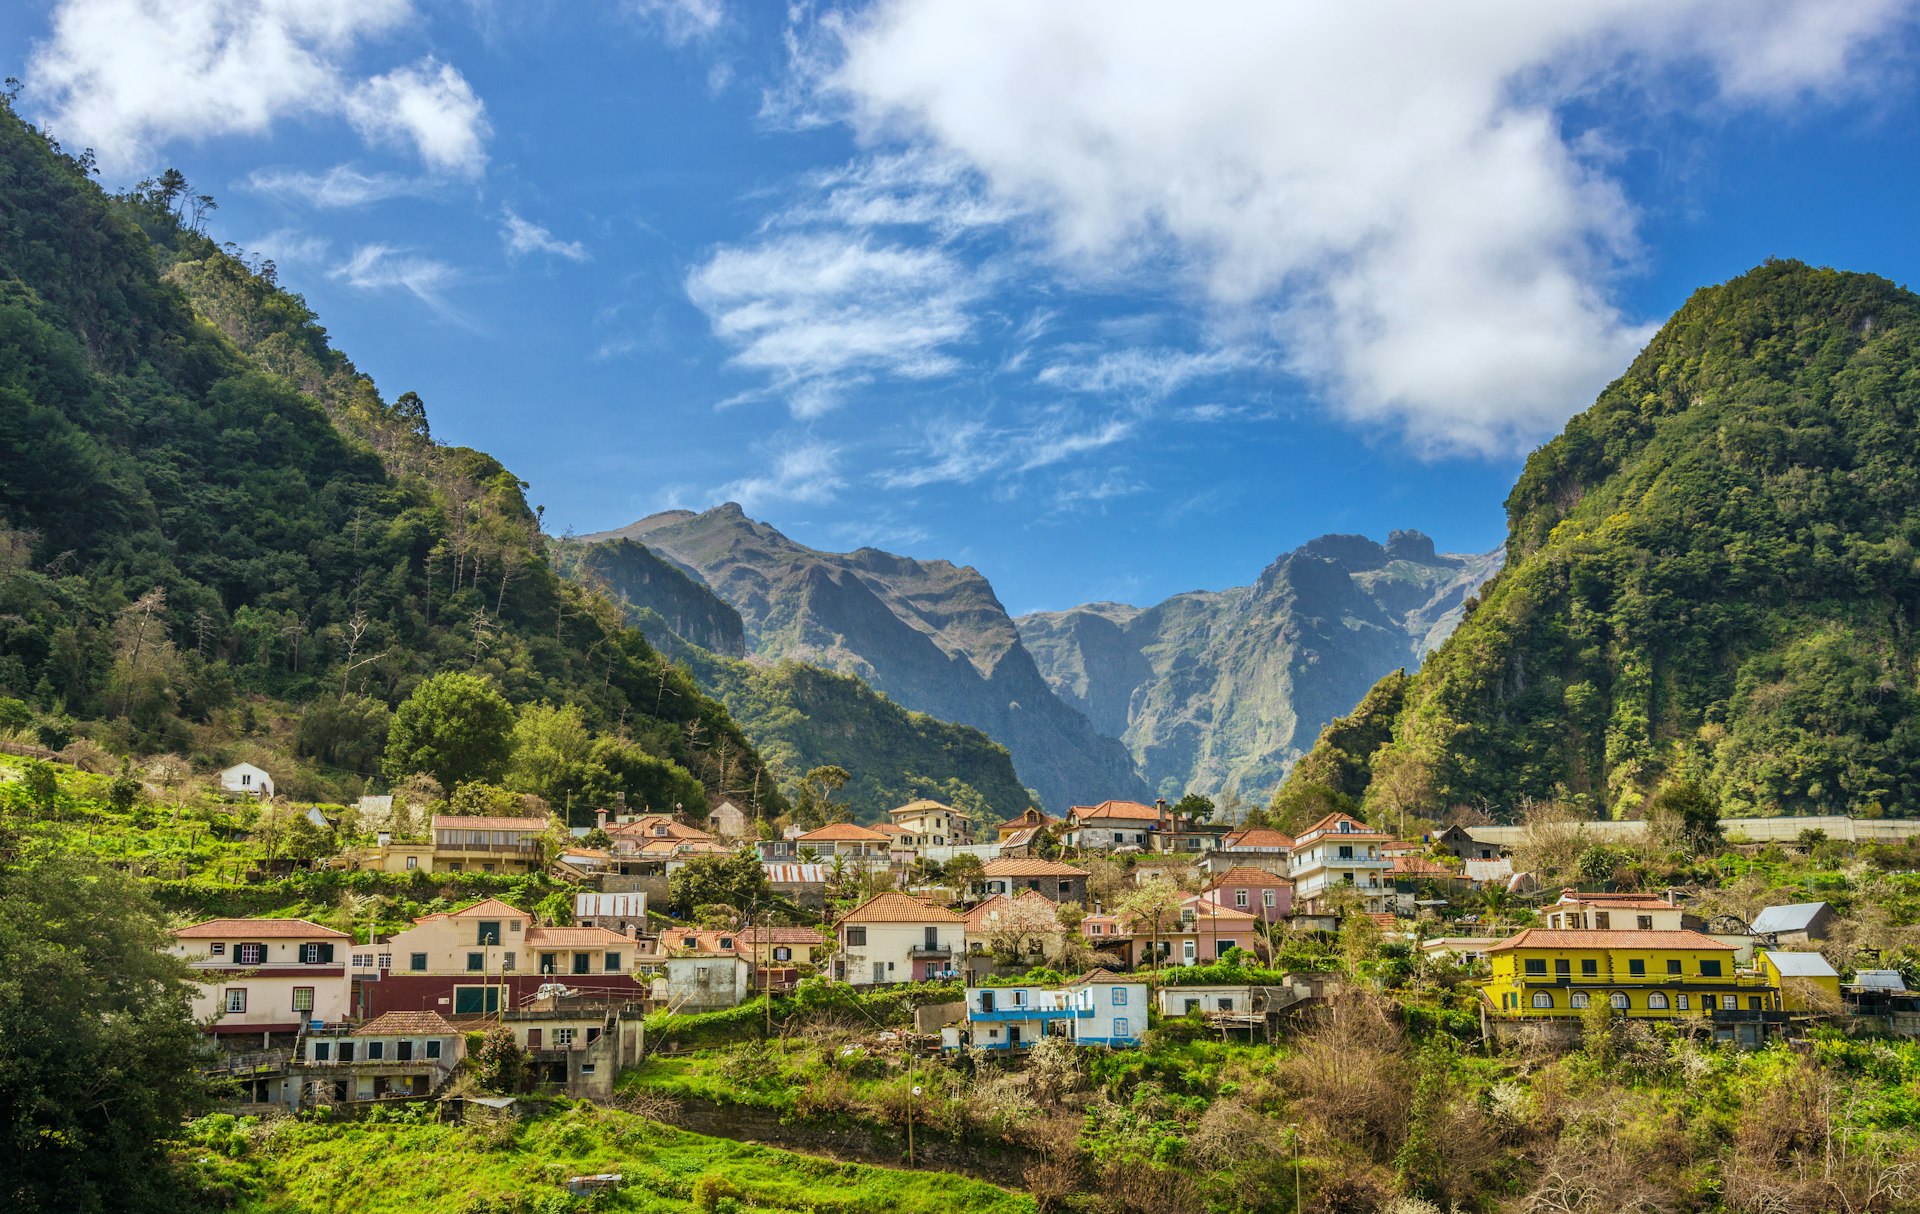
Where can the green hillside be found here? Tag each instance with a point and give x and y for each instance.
(1711, 576)
(218, 539)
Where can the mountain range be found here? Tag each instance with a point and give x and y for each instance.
(1208, 691)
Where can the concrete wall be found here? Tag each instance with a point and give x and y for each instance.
(1755, 830)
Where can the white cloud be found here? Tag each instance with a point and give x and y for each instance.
(682, 21)
(954, 450)
(429, 105)
(1385, 192)
(343, 185)
(804, 471)
(290, 247)
(523, 236)
(819, 311)
(1144, 371)
(380, 267)
(125, 77)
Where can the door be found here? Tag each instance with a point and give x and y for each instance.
(1013, 1036)
(879, 971)
(533, 1039)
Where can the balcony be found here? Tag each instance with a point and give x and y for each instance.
(529, 849)
(921, 952)
(1022, 1014)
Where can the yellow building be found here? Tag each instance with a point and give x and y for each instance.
(1806, 981)
(1645, 974)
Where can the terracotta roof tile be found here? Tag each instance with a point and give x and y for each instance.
(976, 917)
(1259, 837)
(897, 908)
(408, 1024)
(1118, 809)
(842, 832)
(1246, 874)
(575, 937)
(1014, 866)
(463, 822)
(264, 929)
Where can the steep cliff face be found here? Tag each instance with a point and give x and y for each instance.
(929, 634)
(1711, 578)
(1215, 690)
(645, 585)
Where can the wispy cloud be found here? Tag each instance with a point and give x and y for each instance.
(523, 236)
(1152, 373)
(681, 21)
(818, 311)
(290, 247)
(379, 267)
(802, 471)
(963, 451)
(343, 185)
(430, 106)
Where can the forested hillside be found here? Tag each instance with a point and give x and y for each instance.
(1711, 578)
(210, 519)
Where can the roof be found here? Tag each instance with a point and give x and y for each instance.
(1331, 825)
(1015, 866)
(407, 1024)
(1117, 809)
(1103, 977)
(976, 917)
(1614, 901)
(1022, 837)
(1420, 866)
(921, 806)
(1259, 838)
(662, 826)
(1028, 817)
(575, 937)
(897, 908)
(464, 822)
(488, 906)
(891, 828)
(1799, 965)
(265, 929)
(1488, 870)
(1540, 937)
(1880, 980)
(842, 832)
(794, 874)
(782, 935)
(1247, 874)
(1796, 917)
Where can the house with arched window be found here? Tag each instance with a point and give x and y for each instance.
(1547, 973)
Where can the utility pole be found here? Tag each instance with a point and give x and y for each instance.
(911, 1092)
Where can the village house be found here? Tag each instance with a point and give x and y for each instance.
(1340, 852)
(703, 981)
(804, 885)
(1051, 879)
(625, 913)
(1796, 923)
(1030, 819)
(398, 1055)
(893, 937)
(933, 824)
(1026, 922)
(1264, 895)
(1614, 912)
(1099, 1008)
(1806, 981)
(510, 846)
(488, 957)
(266, 977)
(857, 845)
(245, 780)
(729, 821)
(581, 1044)
(1544, 973)
(1256, 847)
(1461, 845)
(1112, 825)
(784, 947)
(1201, 933)
(1202, 1000)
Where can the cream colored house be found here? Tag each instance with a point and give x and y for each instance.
(932, 824)
(1612, 912)
(266, 976)
(857, 844)
(1340, 851)
(895, 937)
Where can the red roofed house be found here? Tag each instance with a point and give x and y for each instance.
(1028, 819)
(870, 847)
(462, 843)
(1262, 894)
(1026, 923)
(1115, 824)
(1049, 878)
(1202, 933)
(894, 937)
(1617, 912)
(404, 1055)
(266, 976)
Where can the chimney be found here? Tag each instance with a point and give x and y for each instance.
(600, 818)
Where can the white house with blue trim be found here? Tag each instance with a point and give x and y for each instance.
(1099, 1008)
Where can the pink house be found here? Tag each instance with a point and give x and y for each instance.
(1264, 895)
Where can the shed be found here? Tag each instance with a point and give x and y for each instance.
(246, 780)
(1795, 923)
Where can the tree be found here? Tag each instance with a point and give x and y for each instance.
(1021, 929)
(964, 870)
(1195, 807)
(42, 780)
(736, 880)
(552, 752)
(345, 731)
(123, 791)
(454, 727)
(1684, 814)
(1153, 907)
(813, 803)
(499, 1064)
(96, 1040)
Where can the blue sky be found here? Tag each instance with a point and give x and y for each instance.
(1111, 302)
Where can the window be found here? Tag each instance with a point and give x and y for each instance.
(217, 949)
(376, 1050)
(363, 961)
(237, 999)
(549, 963)
(583, 963)
(1589, 968)
(563, 1037)
(489, 932)
(303, 999)
(1543, 999)
(1122, 1028)
(1267, 899)
(1709, 969)
(1728, 1002)
(416, 962)
(1680, 1001)
(249, 954)
(726, 944)
(1346, 851)
(1562, 968)
(1537, 966)
(322, 1050)
(613, 963)
(506, 962)
(782, 953)
(1578, 999)
(1620, 1001)
(316, 954)
(476, 962)
(586, 1068)
(1643, 922)
(1602, 920)
(346, 1051)
(433, 1047)
(1226, 1004)
(1019, 998)
(1119, 996)
(1657, 1001)
(1637, 967)
(856, 937)
(514, 925)
(1240, 898)
(413, 862)
(403, 1051)
(1673, 969)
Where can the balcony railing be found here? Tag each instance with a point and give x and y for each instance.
(494, 849)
